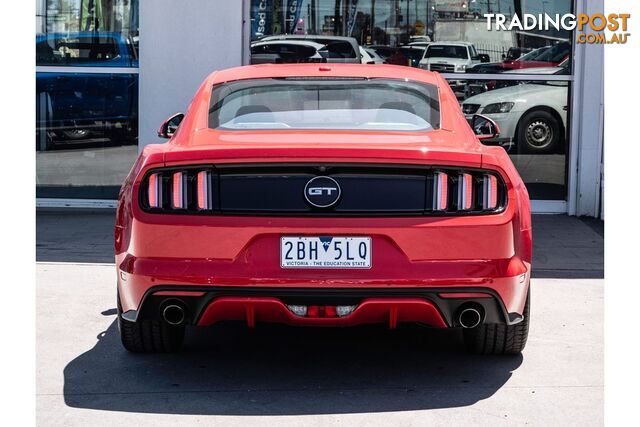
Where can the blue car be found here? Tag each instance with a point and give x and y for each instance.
(86, 106)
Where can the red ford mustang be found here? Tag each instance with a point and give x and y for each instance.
(317, 195)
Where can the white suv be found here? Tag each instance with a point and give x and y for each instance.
(451, 57)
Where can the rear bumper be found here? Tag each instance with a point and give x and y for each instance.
(433, 306)
(228, 268)
(506, 280)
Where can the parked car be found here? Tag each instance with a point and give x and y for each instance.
(531, 116)
(419, 39)
(80, 106)
(409, 55)
(369, 56)
(475, 87)
(451, 57)
(86, 49)
(383, 51)
(549, 56)
(516, 52)
(419, 43)
(499, 67)
(324, 196)
(412, 54)
(286, 52)
(336, 48)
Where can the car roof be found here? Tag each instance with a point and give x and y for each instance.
(74, 34)
(535, 70)
(307, 37)
(324, 70)
(291, 42)
(449, 43)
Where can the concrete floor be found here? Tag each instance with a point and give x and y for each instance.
(229, 375)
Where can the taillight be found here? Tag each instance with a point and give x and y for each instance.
(440, 191)
(204, 190)
(154, 190)
(179, 190)
(489, 192)
(465, 191)
(447, 190)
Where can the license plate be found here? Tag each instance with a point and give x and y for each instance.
(325, 252)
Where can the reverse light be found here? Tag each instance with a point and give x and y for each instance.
(440, 191)
(489, 192)
(465, 191)
(344, 310)
(179, 190)
(154, 191)
(298, 310)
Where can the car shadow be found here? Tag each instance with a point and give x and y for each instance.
(228, 369)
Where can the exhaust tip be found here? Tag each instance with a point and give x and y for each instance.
(173, 314)
(469, 317)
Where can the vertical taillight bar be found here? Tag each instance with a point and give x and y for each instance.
(489, 192)
(204, 190)
(179, 190)
(154, 191)
(440, 191)
(465, 191)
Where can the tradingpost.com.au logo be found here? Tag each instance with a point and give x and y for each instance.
(616, 23)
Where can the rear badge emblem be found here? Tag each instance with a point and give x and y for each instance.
(322, 192)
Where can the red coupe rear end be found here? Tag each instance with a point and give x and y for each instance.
(323, 196)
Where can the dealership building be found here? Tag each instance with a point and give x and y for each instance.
(108, 72)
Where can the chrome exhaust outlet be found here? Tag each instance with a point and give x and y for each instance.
(173, 314)
(469, 317)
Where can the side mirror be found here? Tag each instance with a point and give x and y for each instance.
(170, 125)
(484, 57)
(484, 127)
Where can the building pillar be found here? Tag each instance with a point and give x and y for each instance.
(180, 44)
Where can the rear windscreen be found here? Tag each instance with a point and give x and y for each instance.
(312, 103)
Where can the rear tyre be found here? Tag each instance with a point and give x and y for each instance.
(149, 336)
(497, 338)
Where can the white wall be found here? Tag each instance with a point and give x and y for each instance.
(181, 42)
(588, 115)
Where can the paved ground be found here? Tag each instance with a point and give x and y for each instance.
(228, 375)
(85, 166)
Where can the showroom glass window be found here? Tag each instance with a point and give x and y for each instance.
(86, 96)
(519, 78)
